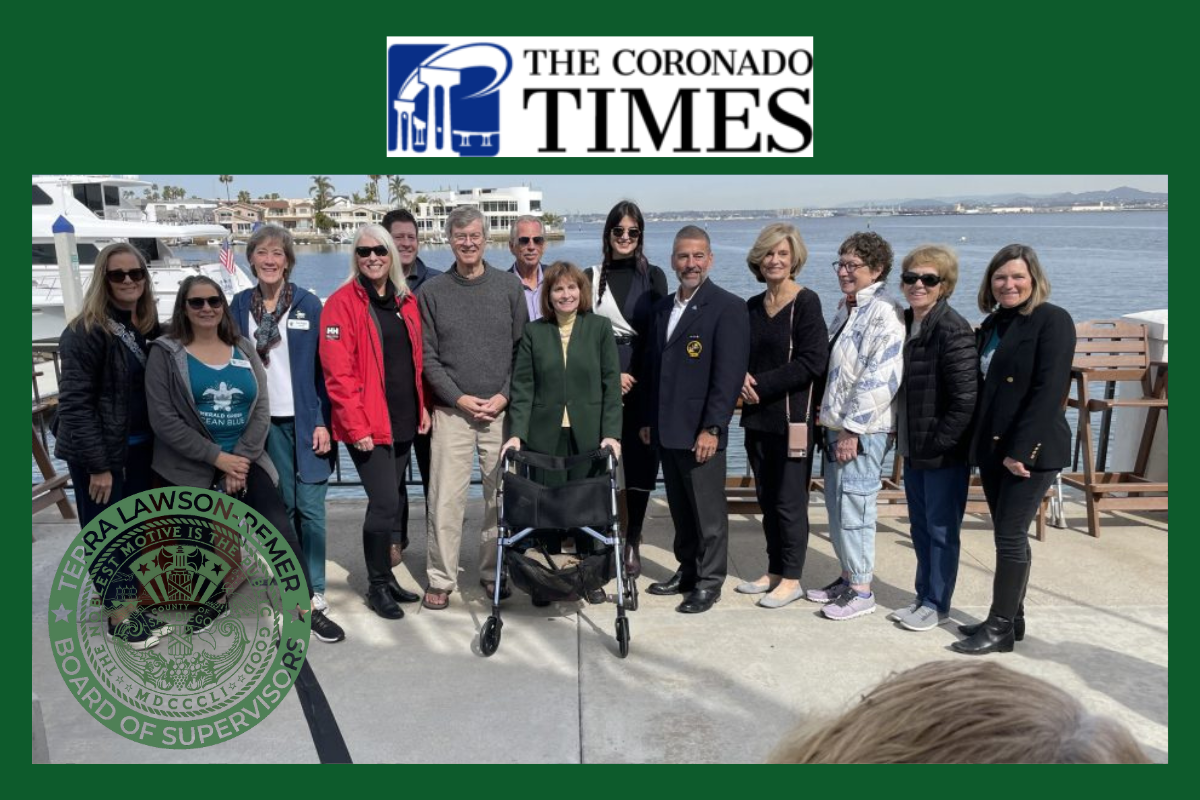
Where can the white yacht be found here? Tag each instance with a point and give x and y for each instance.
(94, 206)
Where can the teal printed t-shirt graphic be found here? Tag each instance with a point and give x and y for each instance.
(223, 396)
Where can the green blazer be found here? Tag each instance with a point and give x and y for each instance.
(589, 385)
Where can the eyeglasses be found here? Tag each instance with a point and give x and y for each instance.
(213, 300)
(462, 238)
(120, 276)
(379, 250)
(619, 232)
(525, 240)
(846, 266)
(927, 280)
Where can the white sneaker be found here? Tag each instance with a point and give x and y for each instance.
(318, 603)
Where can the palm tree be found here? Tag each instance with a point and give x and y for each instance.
(398, 191)
(322, 192)
(244, 196)
(371, 193)
(374, 180)
(226, 179)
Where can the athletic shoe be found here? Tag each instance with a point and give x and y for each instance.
(326, 629)
(827, 594)
(137, 636)
(319, 604)
(925, 618)
(901, 613)
(849, 605)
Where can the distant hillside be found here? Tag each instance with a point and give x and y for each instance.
(1122, 194)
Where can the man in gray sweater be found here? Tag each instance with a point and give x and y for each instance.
(473, 317)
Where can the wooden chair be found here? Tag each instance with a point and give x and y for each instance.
(50, 490)
(1108, 351)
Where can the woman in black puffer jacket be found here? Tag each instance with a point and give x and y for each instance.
(102, 429)
(936, 404)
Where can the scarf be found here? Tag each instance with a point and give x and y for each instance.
(267, 336)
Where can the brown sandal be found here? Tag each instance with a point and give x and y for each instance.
(436, 600)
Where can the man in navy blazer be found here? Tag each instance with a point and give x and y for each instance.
(697, 355)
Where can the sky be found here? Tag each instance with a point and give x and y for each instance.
(572, 194)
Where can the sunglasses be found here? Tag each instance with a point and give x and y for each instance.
(213, 300)
(378, 250)
(120, 276)
(927, 280)
(525, 240)
(618, 232)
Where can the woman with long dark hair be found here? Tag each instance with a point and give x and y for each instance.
(1021, 437)
(625, 287)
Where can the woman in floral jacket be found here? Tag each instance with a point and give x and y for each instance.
(866, 360)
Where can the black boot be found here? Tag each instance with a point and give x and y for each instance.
(380, 600)
(1018, 625)
(401, 594)
(994, 635)
(632, 557)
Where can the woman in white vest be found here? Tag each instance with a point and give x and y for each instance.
(625, 288)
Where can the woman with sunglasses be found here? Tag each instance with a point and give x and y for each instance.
(788, 350)
(934, 410)
(371, 356)
(1021, 438)
(284, 322)
(102, 428)
(209, 409)
(857, 415)
(625, 288)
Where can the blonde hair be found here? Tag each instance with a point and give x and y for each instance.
(98, 296)
(395, 271)
(944, 260)
(771, 236)
(947, 712)
(1041, 284)
(564, 270)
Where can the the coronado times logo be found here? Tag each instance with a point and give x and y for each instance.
(444, 100)
(175, 618)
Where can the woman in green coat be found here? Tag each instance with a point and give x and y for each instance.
(566, 383)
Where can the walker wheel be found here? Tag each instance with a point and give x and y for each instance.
(623, 635)
(489, 637)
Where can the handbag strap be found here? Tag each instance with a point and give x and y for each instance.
(787, 397)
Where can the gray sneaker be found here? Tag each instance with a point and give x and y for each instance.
(925, 618)
(849, 605)
(826, 594)
(901, 613)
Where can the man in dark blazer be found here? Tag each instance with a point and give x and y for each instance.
(697, 354)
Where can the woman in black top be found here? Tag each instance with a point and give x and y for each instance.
(934, 408)
(1021, 437)
(625, 288)
(788, 351)
(102, 429)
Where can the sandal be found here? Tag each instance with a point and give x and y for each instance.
(436, 600)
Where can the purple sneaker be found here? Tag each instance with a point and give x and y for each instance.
(849, 605)
(827, 594)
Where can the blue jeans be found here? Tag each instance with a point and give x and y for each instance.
(305, 502)
(850, 492)
(937, 499)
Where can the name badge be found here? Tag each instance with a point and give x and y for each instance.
(298, 324)
(239, 362)
(694, 348)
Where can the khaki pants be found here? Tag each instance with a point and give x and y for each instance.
(456, 438)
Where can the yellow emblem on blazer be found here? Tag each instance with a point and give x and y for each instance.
(694, 349)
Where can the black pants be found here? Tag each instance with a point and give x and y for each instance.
(1013, 503)
(781, 485)
(382, 473)
(421, 447)
(696, 495)
(640, 463)
(136, 476)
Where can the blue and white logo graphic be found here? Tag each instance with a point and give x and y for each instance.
(444, 100)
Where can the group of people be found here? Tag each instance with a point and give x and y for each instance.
(252, 396)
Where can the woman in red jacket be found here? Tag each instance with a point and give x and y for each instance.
(371, 355)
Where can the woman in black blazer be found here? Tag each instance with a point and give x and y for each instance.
(566, 383)
(1021, 437)
(934, 409)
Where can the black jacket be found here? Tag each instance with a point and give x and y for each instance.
(779, 380)
(695, 377)
(1021, 413)
(941, 382)
(91, 427)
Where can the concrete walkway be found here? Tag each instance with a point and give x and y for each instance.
(717, 687)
